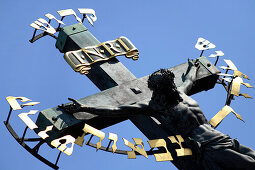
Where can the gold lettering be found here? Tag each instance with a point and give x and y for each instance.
(85, 13)
(43, 25)
(88, 52)
(138, 141)
(247, 85)
(108, 49)
(50, 16)
(62, 145)
(245, 95)
(236, 83)
(95, 132)
(240, 74)
(80, 140)
(222, 114)
(182, 151)
(43, 134)
(67, 12)
(160, 156)
(123, 44)
(27, 120)
(113, 137)
(112, 47)
(13, 102)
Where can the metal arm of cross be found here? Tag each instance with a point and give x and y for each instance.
(119, 86)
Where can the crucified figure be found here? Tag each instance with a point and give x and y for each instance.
(182, 115)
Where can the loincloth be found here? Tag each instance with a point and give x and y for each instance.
(210, 139)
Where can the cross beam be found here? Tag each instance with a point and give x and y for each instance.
(119, 86)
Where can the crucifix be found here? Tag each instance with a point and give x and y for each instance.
(119, 87)
(86, 55)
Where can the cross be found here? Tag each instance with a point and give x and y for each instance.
(119, 87)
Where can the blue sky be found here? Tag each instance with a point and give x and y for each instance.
(165, 33)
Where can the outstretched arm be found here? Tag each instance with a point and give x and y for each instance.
(190, 77)
(108, 111)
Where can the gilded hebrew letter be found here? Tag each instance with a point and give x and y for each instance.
(131, 154)
(247, 85)
(218, 54)
(160, 156)
(30, 104)
(13, 102)
(24, 117)
(245, 95)
(203, 44)
(50, 16)
(113, 137)
(236, 83)
(85, 12)
(80, 140)
(240, 74)
(43, 134)
(231, 65)
(62, 145)
(95, 132)
(67, 12)
(222, 114)
(182, 151)
(43, 25)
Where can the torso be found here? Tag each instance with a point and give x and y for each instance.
(183, 117)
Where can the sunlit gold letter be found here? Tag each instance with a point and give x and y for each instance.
(131, 154)
(13, 102)
(95, 132)
(43, 25)
(27, 120)
(182, 151)
(86, 11)
(222, 114)
(114, 138)
(67, 12)
(43, 134)
(160, 156)
(62, 146)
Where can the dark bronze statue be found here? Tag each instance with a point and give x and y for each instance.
(181, 114)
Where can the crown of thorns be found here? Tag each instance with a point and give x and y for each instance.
(159, 78)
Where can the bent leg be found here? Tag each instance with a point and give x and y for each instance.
(228, 158)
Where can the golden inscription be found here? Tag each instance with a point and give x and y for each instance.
(67, 12)
(24, 117)
(182, 151)
(131, 154)
(160, 156)
(80, 140)
(95, 132)
(81, 60)
(62, 145)
(14, 103)
(113, 137)
(236, 83)
(222, 114)
(240, 74)
(43, 134)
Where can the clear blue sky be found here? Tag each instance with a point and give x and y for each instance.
(165, 33)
